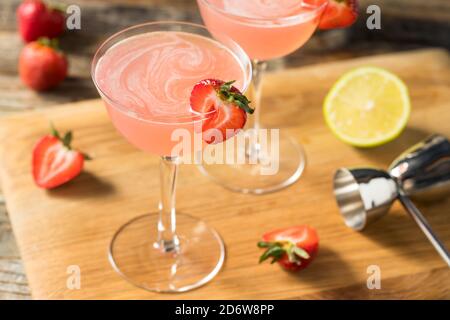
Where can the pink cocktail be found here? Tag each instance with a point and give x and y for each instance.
(145, 75)
(149, 78)
(265, 29)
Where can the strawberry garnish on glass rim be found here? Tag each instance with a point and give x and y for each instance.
(225, 106)
(337, 14)
(54, 161)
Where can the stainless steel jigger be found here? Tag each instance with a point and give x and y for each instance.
(423, 171)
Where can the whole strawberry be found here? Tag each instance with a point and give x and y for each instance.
(36, 20)
(41, 65)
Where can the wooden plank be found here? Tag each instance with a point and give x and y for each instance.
(74, 224)
(13, 282)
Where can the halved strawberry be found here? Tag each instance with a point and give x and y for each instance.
(225, 106)
(293, 248)
(338, 13)
(54, 162)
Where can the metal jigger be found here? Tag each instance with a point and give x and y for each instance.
(423, 171)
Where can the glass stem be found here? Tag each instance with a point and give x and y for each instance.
(259, 68)
(167, 238)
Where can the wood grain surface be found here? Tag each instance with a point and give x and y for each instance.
(73, 225)
(13, 282)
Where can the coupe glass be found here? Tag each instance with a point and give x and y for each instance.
(263, 38)
(163, 251)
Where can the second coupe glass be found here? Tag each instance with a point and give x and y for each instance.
(265, 29)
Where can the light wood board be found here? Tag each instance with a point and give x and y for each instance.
(74, 224)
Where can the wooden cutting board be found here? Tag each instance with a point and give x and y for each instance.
(74, 224)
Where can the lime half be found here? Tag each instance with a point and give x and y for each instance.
(367, 107)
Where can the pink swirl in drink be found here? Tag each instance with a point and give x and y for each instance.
(149, 79)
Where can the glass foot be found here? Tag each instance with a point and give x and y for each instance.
(134, 254)
(260, 177)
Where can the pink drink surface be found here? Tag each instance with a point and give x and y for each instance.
(265, 29)
(148, 79)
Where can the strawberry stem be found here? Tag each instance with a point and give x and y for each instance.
(228, 94)
(277, 249)
(66, 140)
(51, 43)
(61, 7)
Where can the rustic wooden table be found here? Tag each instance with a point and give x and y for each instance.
(405, 25)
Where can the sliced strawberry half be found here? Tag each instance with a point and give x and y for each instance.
(338, 13)
(224, 107)
(294, 248)
(54, 162)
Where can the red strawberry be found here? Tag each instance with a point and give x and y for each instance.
(293, 248)
(41, 65)
(338, 13)
(36, 20)
(54, 162)
(225, 106)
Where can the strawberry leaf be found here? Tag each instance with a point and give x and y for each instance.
(263, 244)
(67, 140)
(274, 251)
(300, 252)
(292, 257)
(54, 132)
(228, 94)
(86, 157)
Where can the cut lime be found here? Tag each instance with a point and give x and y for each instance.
(367, 107)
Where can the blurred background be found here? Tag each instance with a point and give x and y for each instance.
(406, 25)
